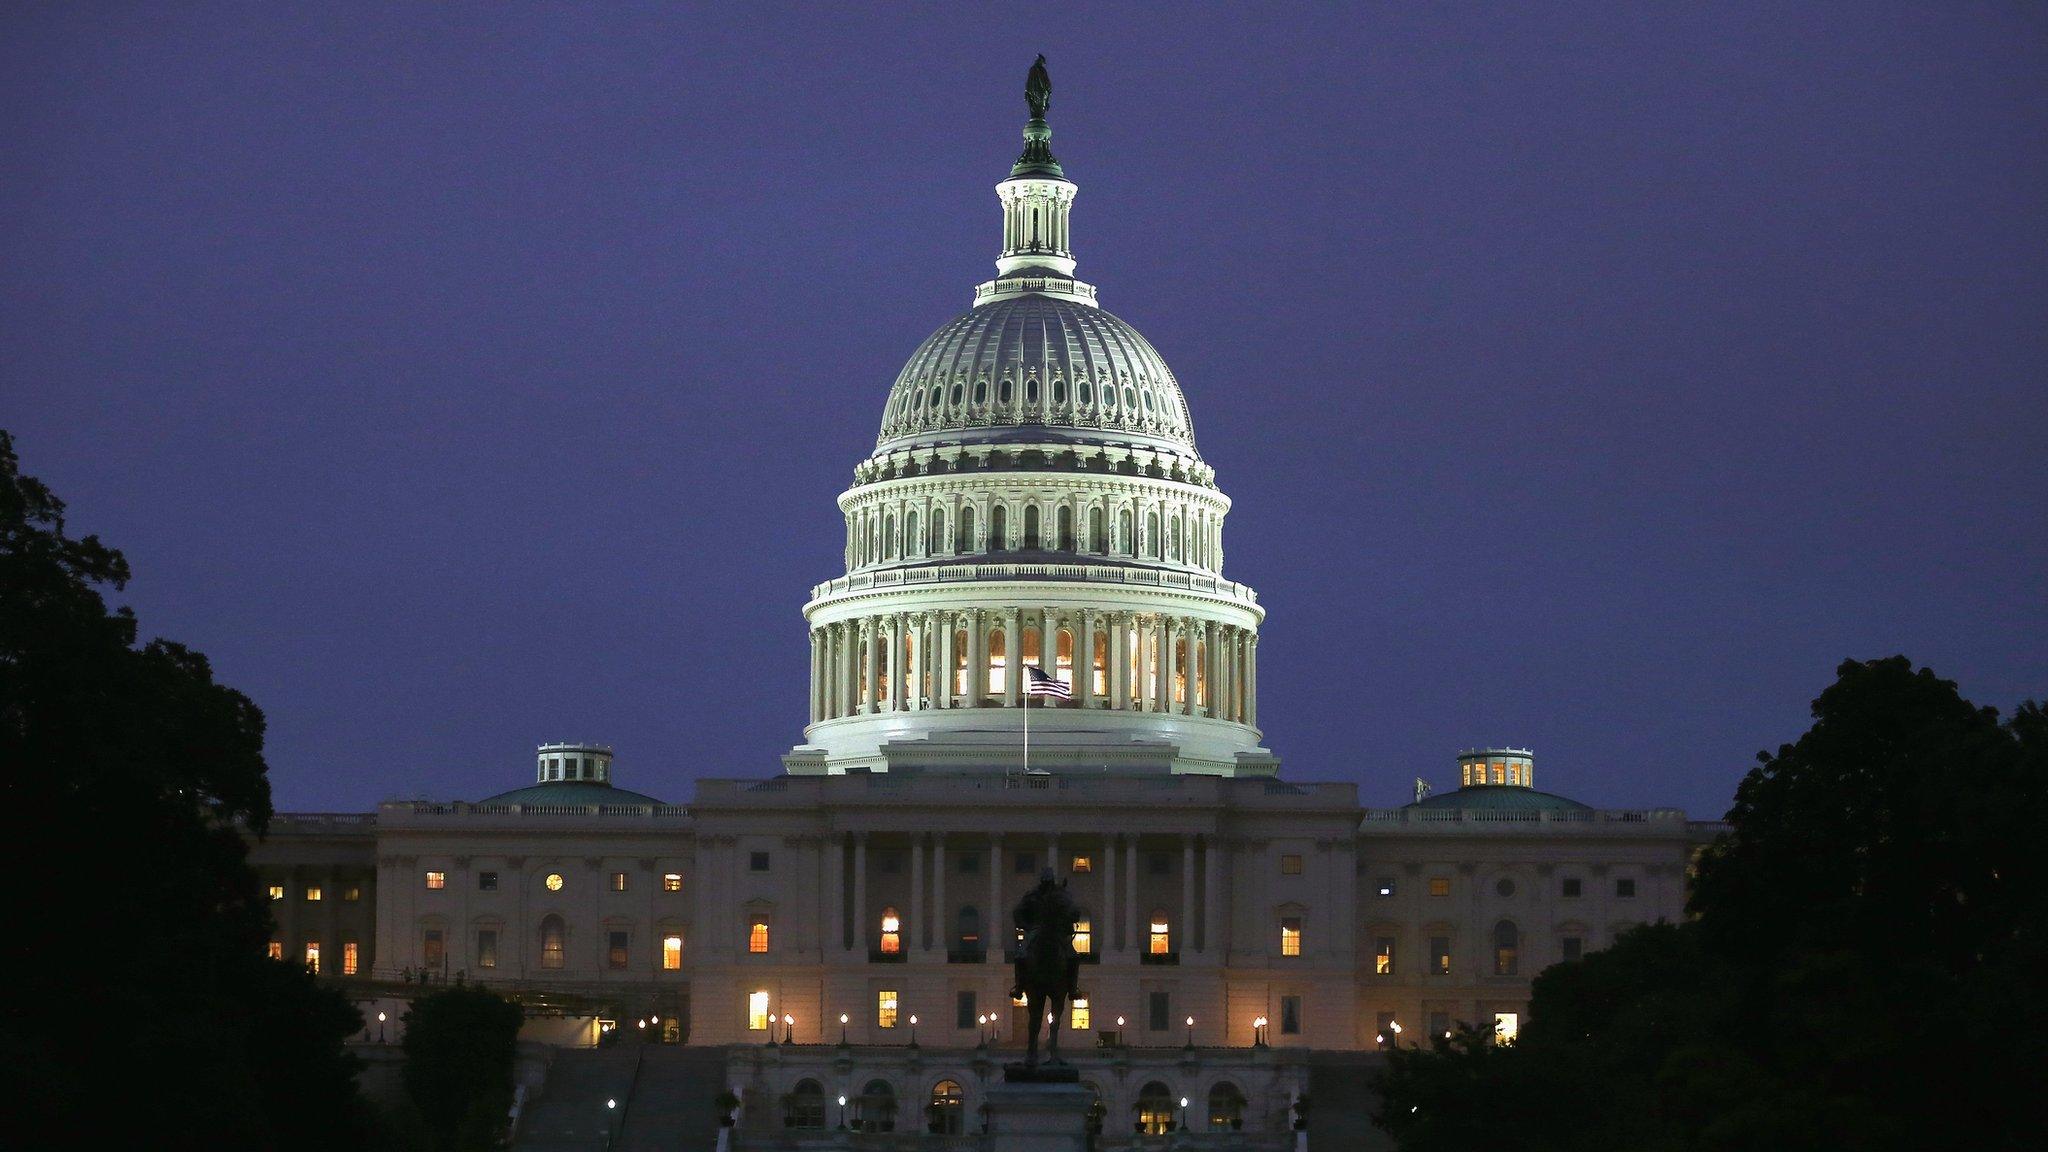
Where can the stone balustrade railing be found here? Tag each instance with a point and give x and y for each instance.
(1093, 573)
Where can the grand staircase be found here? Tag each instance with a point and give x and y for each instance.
(1341, 1101)
(666, 1100)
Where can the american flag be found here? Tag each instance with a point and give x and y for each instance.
(1038, 683)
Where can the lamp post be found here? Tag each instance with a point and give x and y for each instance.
(380, 1027)
(842, 1112)
(611, 1106)
(981, 1028)
(842, 1029)
(1394, 1026)
(1183, 1113)
(1119, 1031)
(1259, 1032)
(913, 1029)
(1191, 1031)
(788, 1028)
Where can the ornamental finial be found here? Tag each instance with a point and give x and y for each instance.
(1038, 89)
(1037, 159)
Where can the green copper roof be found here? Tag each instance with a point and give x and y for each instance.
(569, 792)
(1503, 798)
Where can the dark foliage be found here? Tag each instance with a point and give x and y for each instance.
(1864, 970)
(144, 1010)
(459, 1050)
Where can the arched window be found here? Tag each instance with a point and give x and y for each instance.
(1084, 936)
(997, 661)
(892, 932)
(960, 662)
(1226, 1107)
(911, 536)
(1123, 533)
(888, 536)
(963, 538)
(1155, 1109)
(981, 391)
(967, 930)
(1152, 534)
(1065, 524)
(1085, 393)
(1034, 654)
(938, 531)
(1030, 527)
(1059, 392)
(1201, 674)
(1098, 539)
(1031, 391)
(1180, 670)
(1003, 394)
(946, 1114)
(1506, 941)
(1100, 666)
(1173, 538)
(1063, 657)
(552, 946)
(804, 1107)
(1161, 943)
(874, 1110)
(998, 528)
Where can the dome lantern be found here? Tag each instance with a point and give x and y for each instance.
(1038, 200)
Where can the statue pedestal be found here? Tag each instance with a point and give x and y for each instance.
(1038, 1117)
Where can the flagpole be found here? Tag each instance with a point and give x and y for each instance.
(1027, 720)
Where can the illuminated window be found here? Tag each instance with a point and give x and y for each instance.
(618, 881)
(313, 893)
(1383, 956)
(1162, 939)
(757, 934)
(277, 891)
(757, 1011)
(1084, 936)
(616, 945)
(276, 950)
(1506, 941)
(1081, 1016)
(552, 951)
(352, 893)
(892, 932)
(1290, 865)
(1440, 955)
(1226, 1107)
(437, 880)
(554, 881)
(885, 1008)
(996, 641)
(1439, 885)
(351, 957)
(1500, 773)
(948, 1110)
(313, 957)
(672, 882)
(1290, 935)
(671, 952)
(1626, 888)
(433, 950)
(1155, 1107)
(487, 948)
(1505, 1025)
(1081, 864)
(487, 881)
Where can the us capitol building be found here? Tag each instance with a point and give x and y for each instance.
(831, 940)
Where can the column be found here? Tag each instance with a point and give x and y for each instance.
(995, 924)
(860, 894)
(1144, 693)
(1192, 628)
(1049, 641)
(942, 661)
(1119, 662)
(942, 919)
(1166, 664)
(849, 672)
(1013, 656)
(1084, 659)
(1211, 633)
(1131, 893)
(1212, 899)
(1223, 664)
(835, 887)
(977, 657)
(1252, 679)
(813, 706)
(912, 940)
(1186, 936)
(872, 672)
(1108, 930)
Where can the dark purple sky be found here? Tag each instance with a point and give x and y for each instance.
(460, 378)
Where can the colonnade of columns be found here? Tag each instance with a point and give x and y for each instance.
(1172, 529)
(1119, 921)
(1128, 661)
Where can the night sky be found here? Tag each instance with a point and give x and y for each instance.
(464, 377)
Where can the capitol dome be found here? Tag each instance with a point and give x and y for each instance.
(1036, 367)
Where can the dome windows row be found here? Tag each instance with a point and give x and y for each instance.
(1179, 531)
(1138, 405)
